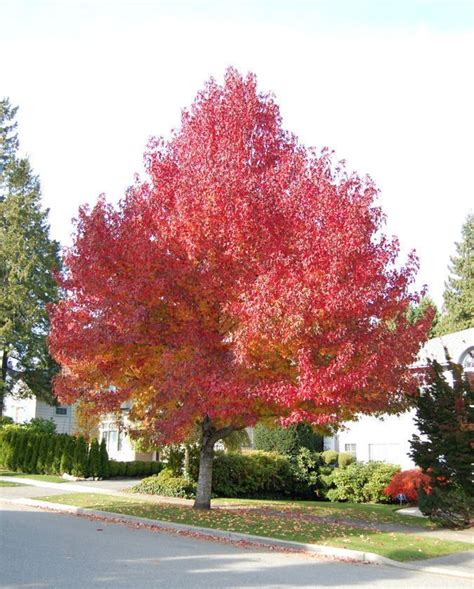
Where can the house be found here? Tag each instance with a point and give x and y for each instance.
(387, 438)
(22, 410)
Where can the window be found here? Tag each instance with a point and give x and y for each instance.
(351, 449)
(61, 410)
(111, 439)
(467, 359)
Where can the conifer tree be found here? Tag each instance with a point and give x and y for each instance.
(27, 259)
(81, 457)
(59, 444)
(103, 460)
(68, 455)
(444, 417)
(94, 458)
(458, 310)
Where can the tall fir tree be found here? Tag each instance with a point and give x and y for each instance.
(28, 258)
(458, 309)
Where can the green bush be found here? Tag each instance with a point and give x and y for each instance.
(94, 459)
(42, 453)
(254, 474)
(361, 482)
(81, 458)
(167, 484)
(67, 457)
(48, 467)
(59, 445)
(447, 505)
(32, 453)
(329, 457)
(305, 469)
(344, 459)
(41, 426)
(103, 460)
(5, 420)
(286, 440)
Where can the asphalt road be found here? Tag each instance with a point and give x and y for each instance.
(46, 550)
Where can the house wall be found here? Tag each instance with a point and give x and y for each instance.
(119, 445)
(65, 423)
(20, 410)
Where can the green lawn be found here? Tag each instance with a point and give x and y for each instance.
(9, 484)
(49, 478)
(289, 525)
(371, 513)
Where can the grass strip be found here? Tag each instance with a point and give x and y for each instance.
(48, 478)
(395, 545)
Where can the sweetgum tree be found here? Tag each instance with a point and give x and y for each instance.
(246, 277)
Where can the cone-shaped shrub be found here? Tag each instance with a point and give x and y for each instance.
(48, 466)
(34, 453)
(67, 457)
(59, 445)
(94, 459)
(103, 461)
(81, 456)
(16, 450)
(42, 453)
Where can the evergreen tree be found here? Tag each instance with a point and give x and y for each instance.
(94, 458)
(458, 310)
(81, 458)
(59, 445)
(67, 458)
(48, 467)
(103, 460)
(286, 440)
(444, 417)
(27, 259)
(42, 453)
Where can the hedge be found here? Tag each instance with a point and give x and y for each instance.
(135, 468)
(31, 451)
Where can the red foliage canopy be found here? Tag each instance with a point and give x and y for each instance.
(247, 277)
(408, 482)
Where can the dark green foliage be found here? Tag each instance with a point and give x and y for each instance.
(5, 420)
(94, 459)
(361, 482)
(27, 260)
(254, 474)
(329, 457)
(103, 461)
(60, 443)
(48, 466)
(42, 453)
(415, 313)
(344, 459)
(458, 309)
(33, 458)
(449, 506)
(287, 440)
(167, 484)
(81, 458)
(444, 417)
(67, 457)
(41, 426)
(18, 441)
(135, 468)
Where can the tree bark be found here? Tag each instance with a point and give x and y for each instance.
(3, 382)
(209, 437)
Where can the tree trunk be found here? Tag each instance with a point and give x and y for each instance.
(3, 380)
(209, 437)
(204, 486)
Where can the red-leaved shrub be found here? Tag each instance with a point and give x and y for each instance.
(408, 482)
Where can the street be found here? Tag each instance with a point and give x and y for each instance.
(39, 549)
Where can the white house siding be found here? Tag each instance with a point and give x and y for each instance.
(65, 423)
(388, 439)
(119, 445)
(24, 410)
(20, 410)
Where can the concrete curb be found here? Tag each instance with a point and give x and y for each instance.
(210, 533)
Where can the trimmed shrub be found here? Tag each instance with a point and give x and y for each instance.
(18, 444)
(286, 440)
(408, 482)
(167, 484)
(41, 426)
(361, 482)
(329, 457)
(5, 420)
(42, 453)
(254, 474)
(103, 461)
(67, 457)
(344, 459)
(305, 470)
(81, 458)
(447, 505)
(94, 459)
(59, 446)
(48, 467)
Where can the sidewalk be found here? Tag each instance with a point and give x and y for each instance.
(455, 565)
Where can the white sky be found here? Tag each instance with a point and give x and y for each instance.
(388, 85)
